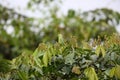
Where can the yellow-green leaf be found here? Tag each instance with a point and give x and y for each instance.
(60, 39)
(112, 72)
(45, 59)
(100, 50)
(86, 45)
(36, 57)
(49, 55)
(103, 51)
(117, 71)
(97, 50)
(22, 75)
(91, 74)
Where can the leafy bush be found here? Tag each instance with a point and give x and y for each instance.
(86, 55)
(67, 60)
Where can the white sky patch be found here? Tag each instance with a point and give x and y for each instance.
(9, 29)
(118, 28)
(86, 5)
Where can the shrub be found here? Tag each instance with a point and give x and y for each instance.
(67, 60)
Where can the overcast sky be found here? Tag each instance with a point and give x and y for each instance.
(83, 5)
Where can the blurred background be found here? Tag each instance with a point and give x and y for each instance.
(26, 23)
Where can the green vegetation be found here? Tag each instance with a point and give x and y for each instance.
(67, 60)
(76, 46)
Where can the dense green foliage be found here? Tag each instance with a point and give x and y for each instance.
(76, 46)
(67, 60)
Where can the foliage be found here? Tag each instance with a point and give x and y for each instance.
(79, 26)
(12, 42)
(74, 46)
(65, 61)
(27, 34)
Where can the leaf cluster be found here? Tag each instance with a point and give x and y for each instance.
(63, 61)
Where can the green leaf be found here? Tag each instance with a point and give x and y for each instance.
(112, 72)
(60, 39)
(97, 51)
(117, 71)
(91, 74)
(69, 59)
(100, 50)
(36, 56)
(23, 75)
(5, 66)
(103, 51)
(71, 13)
(45, 59)
(49, 54)
(86, 45)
